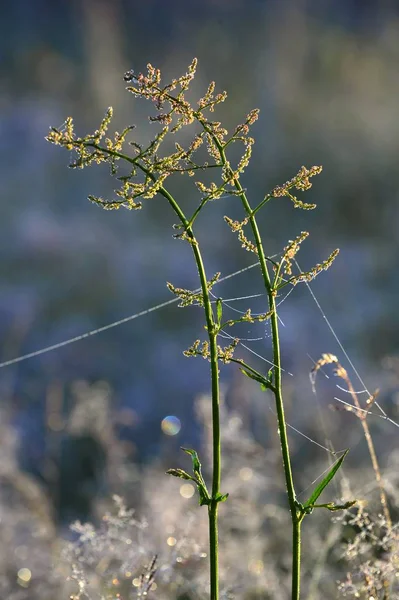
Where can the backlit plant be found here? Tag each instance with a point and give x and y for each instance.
(148, 169)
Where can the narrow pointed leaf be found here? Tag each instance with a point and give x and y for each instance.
(334, 507)
(265, 386)
(204, 498)
(219, 310)
(264, 383)
(182, 474)
(194, 459)
(222, 497)
(253, 376)
(324, 483)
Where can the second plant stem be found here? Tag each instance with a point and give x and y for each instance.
(296, 515)
(216, 442)
(212, 335)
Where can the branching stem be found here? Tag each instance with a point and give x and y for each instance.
(212, 334)
(156, 168)
(296, 516)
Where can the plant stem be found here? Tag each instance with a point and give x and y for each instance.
(296, 516)
(296, 557)
(216, 473)
(278, 395)
(212, 334)
(213, 549)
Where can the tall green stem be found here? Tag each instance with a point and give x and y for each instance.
(214, 549)
(296, 554)
(296, 516)
(157, 168)
(278, 395)
(216, 475)
(212, 334)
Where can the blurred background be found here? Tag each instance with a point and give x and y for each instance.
(95, 417)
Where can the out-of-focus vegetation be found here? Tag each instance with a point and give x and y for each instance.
(350, 555)
(325, 79)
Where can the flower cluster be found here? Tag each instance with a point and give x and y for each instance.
(148, 168)
(248, 317)
(291, 250)
(188, 297)
(301, 182)
(316, 270)
(238, 226)
(196, 350)
(225, 354)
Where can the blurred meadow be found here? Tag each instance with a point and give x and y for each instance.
(106, 415)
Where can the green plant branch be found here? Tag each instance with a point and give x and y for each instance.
(275, 337)
(296, 516)
(212, 334)
(260, 205)
(216, 439)
(156, 169)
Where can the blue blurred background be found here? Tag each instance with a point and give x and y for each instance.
(325, 77)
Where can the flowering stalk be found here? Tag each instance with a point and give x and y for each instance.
(300, 182)
(296, 516)
(148, 173)
(91, 149)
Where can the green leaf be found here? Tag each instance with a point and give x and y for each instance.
(204, 498)
(324, 483)
(265, 384)
(195, 460)
(221, 497)
(219, 310)
(253, 376)
(180, 473)
(333, 507)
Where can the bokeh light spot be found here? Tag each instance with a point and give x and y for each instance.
(246, 473)
(24, 576)
(187, 490)
(171, 541)
(171, 425)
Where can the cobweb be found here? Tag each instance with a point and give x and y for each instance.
(252, 341)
